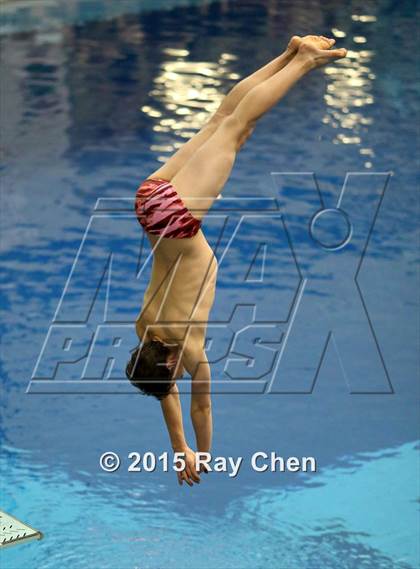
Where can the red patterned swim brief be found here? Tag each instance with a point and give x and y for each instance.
(161, 211)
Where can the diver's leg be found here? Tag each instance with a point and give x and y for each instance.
(238, 92)
(265, 95)
(227, 106)
(201, 179)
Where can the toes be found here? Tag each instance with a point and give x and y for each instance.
(321, 42)
(324, 42)
(331, 41)
(334, 53)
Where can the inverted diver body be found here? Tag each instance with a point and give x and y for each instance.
(172, 323)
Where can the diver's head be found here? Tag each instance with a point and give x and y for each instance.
(151, 368)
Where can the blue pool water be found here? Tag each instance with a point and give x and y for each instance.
(95, 94)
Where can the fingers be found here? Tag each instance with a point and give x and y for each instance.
(192, 474)
(185, 478)
(188, 480)
(188, 476)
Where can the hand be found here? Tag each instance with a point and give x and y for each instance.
(189, 474)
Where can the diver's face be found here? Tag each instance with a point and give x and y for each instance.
(174, 363)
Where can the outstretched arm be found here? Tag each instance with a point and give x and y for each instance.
(172, 412)
(197, 365)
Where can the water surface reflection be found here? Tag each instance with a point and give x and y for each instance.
(331, 522)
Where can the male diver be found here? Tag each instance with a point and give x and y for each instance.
(170, 205)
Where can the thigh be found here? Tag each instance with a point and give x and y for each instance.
(201, 179)
(174, 164)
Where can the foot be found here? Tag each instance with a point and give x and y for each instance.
(316, 51)
(320, 41)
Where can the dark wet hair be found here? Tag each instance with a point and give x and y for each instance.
(147, 369)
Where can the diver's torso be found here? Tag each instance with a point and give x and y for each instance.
(182, 286)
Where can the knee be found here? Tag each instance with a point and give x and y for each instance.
(245, 135)
(217, 119)
(233, 124)
(236, 130)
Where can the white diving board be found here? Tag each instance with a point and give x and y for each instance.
(14, 531)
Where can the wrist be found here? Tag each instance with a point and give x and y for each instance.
(284, 58)
(180, 447)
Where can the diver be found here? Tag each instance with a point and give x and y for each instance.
(170, 205)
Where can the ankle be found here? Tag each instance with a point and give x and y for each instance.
(284, 58)
(304, 60)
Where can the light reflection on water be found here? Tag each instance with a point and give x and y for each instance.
(349, 90)
(188, 92)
